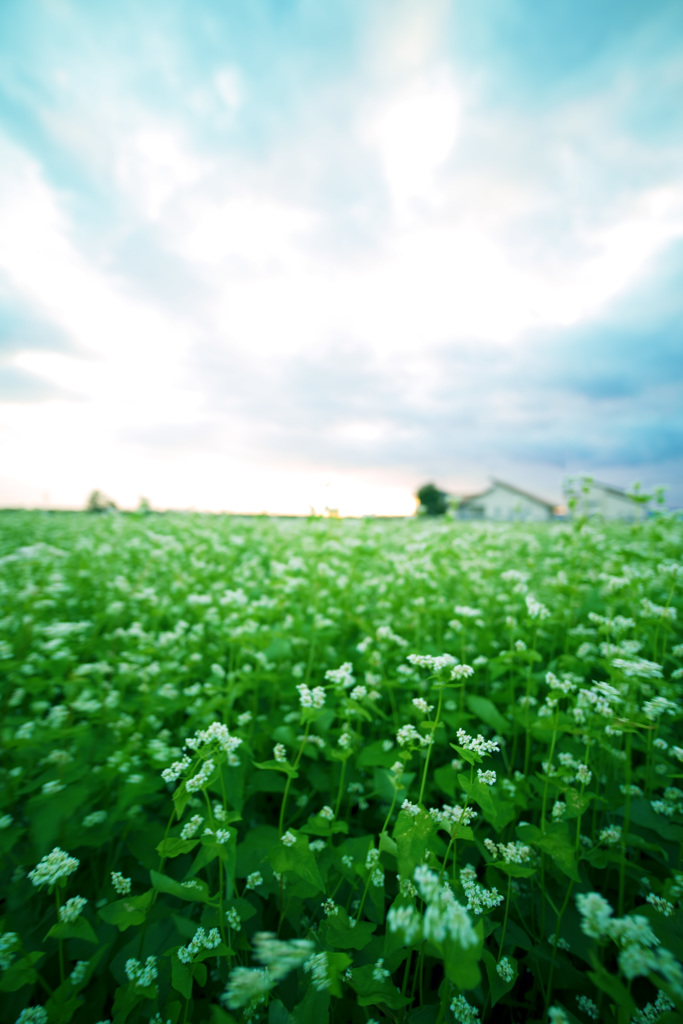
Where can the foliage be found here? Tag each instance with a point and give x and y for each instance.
(322, 770)
(99, 502)
(433, 502)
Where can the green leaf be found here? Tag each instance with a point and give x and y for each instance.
(374, 756)
(63, 1004)
(336, 965)
(314, 1008)
(181, 976)
(279, 1014)
(556, 842)
(479, 792)
(375, 993)
(20, 973)
(497, 987)
(318, 826)
(514, 870)
(174, 847)
(487, 712)
(412, 835)
(193, 891)
(78, 929)
(221, 1016)
(126, 998)
(181, 798)
(277, 766)
(613, 987)
(298, 860)
(467, 755)
(445, 778)
(387, 844)
(129, 911)
(345, 935)
(462, 965)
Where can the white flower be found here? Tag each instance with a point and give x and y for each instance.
(314, 698)
(587, 1006)
(406, 920)
(280, 753)
(245, 985)
(71, 909)
(379, 972)
(318, 967)
(463, 1012)
(288, 839)
(52, 867)
(121, 884)
(141, 975)
(505, 970)
(595, 913)
(191, 827)
(233, 919)
(611, 834)
(79, 972)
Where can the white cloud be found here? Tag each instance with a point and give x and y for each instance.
(414, 131)
(154, 164)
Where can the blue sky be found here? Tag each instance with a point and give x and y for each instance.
(276, 255)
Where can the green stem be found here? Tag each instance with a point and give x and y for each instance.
(549, 990)
(505, 917)
(60, 944)
(340, 788)
(391, 809)
(627, 822)
(547, 773)
(527, 740)
(431, 744)
(289, 779)
(406, 972)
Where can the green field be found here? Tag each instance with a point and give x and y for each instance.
(299, 771)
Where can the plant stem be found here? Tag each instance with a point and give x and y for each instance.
(431, 743)
(289, 778)
(60, 944)
(505, 917)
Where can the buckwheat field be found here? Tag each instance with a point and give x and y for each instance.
(293, 771)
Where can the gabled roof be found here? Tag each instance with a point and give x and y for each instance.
(612, 490)
(507, 487)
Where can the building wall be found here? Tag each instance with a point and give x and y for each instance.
(500, 504)
(610, 505)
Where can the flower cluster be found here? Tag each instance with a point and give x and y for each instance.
(443, 918)
(308, 698)
(201, 940)
(479, 899)
(477, 744)
(249, 984)
(53, 867)
(142, 975)
(72, 909)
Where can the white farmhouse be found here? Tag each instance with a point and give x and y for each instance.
(502, 502)
(596, 499)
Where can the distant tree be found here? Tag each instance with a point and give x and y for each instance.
(144, 506)
(433, 502)
(99, 502)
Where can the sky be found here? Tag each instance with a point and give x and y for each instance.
(284, 255)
